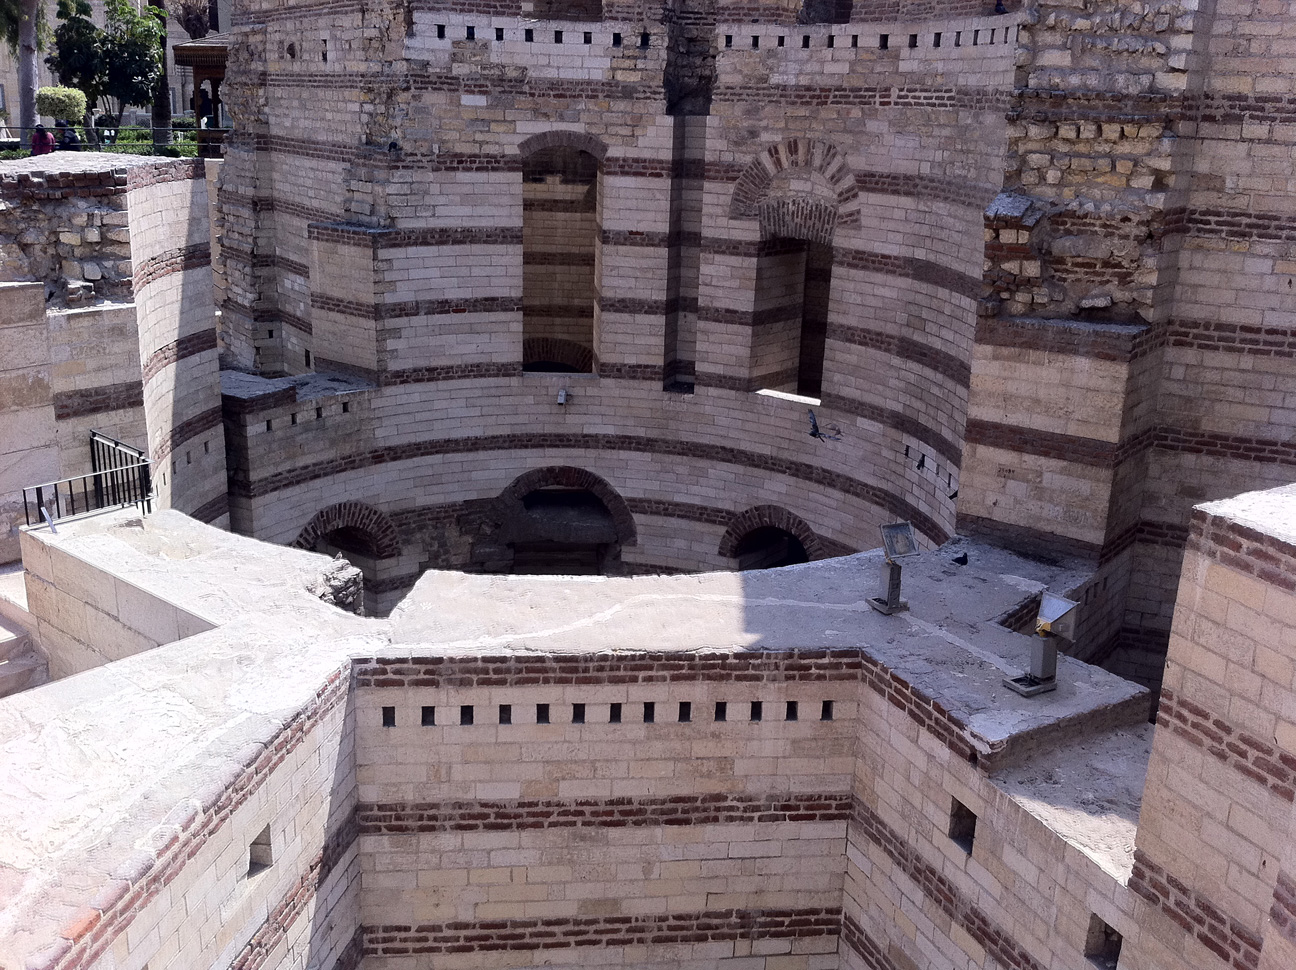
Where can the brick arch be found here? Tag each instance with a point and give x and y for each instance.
(752, 191)
(353, 515)
(568, 476)
(760, 516)
(567, 352)
(563, 139)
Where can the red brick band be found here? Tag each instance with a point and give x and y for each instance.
(709, 926)
(957, 371)
(941, 891)
(173, 261)
(177, 350)
(1095, 341)
(213, 509)
(1283, 911)
(865, 947)
(1246, 754)
(1195, 914)
(1233, 338)
(1247, 550)
(135, 885)
(186, 431)
(802, 471)
(98, 400)
(404, 818)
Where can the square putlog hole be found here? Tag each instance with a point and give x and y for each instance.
(1102, 944)
(962, 828)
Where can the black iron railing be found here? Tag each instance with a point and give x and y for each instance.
(121, 476)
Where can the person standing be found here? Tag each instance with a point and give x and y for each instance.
(42, 142)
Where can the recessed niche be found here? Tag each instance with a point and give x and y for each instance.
(428, 716)
(793, 711)
(260, 853)
(721, 710)
(465, 714)
(542, 713)
(962, 827)
(757, 710)
(1102, 944)
(578, 713)
(826, 711)
(506, 713)
(614, 713)
(650, 712)
(685, 711)
(389, 717)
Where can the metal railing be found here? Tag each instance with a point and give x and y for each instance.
(121, 476)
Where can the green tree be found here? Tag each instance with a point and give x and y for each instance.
(65, 104)
(114, 67)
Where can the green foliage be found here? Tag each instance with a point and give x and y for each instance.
(65, 104)
(121, 62)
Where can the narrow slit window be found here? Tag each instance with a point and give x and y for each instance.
(962, 827)
(826, 711)
(721, 711)
(757, 710)
(913, 41)
(440, 31)
(499, 33)
(793, 711)
(685, 711)
(614, 713)
(578, 713)
(650, 712)
(506, 713)
(260, 853)
(465, 714)
(884, 41)
(542, 713)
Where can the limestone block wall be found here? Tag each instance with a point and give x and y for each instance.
(86, 617)
(177, 346)
(631, 804)
(28, 444)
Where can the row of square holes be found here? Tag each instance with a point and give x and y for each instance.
(319, 415)
(1102, 943)
(884, 40)
(684, 713)
(528, 35)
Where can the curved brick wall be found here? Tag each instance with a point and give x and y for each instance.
(397, 240)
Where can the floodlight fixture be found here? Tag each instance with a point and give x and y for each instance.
(899, 541)
(1056, 621)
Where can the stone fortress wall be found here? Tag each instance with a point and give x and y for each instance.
(983, 220)
(355, 795)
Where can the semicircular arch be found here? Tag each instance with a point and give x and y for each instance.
(568, 476)
(770, 516)
(352, 515)
(754, 193)
(561, 138)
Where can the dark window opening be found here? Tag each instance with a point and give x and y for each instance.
(757, 710)
(563, 532)
(826, 711)
(913, 41)
(578, 713)
(685, 711)
(793, 711)
(614, 713)
(389, 717)
(962, 827)
(769, 547)
(465, 714)
(650, 712)
(260, 853)
(428, 716)
(506, 713)
(721, 711)
(542, 713)
(793, 286)
(1102, 944)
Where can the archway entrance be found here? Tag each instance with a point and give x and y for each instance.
(564, 532)
(768, 547)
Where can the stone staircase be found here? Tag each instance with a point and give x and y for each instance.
(22, 665)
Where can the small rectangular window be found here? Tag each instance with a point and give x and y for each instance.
(308, 358)
(440, 31)
(792, 711)
(958, 38)
(962, 827)
(976, 37)
(643, 39)
(542, 713)
(757, 710)
(755, 42)
(589, 37)
(728, 40)
(913, 41)
(389, 717)
(884, 41)
(854, 40)
(506, 713)
(528, 35)
(578, 713)
(805, 41)
(1102, 944)
(832, 40)
(260, 853)
(614, 713)
(346, 407)
(499, 33)
(936, 39)
(685, 711)
(470, 33)
(558, 35)
(722, 711)
(826, 711)
(269, 427)
(294, 418)
(616, 40)
(650, 712)
(780, 41)
(465, 714)
(319, 413)
(428, 718)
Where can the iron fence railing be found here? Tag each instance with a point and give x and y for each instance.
(121, 476)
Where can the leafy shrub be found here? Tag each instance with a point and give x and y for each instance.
(65, 104)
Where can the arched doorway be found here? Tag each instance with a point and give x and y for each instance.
(767, 547)
(362, 535)
(564, 532)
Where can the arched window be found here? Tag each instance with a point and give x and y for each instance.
(790, 324)
(560, 259)
(767, 547)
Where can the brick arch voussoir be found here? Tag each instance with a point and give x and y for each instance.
(753, 185)
(761, 516)
(568, 476)
(560, 138)
(352, 515)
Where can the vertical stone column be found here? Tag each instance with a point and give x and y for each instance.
(28, 451)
